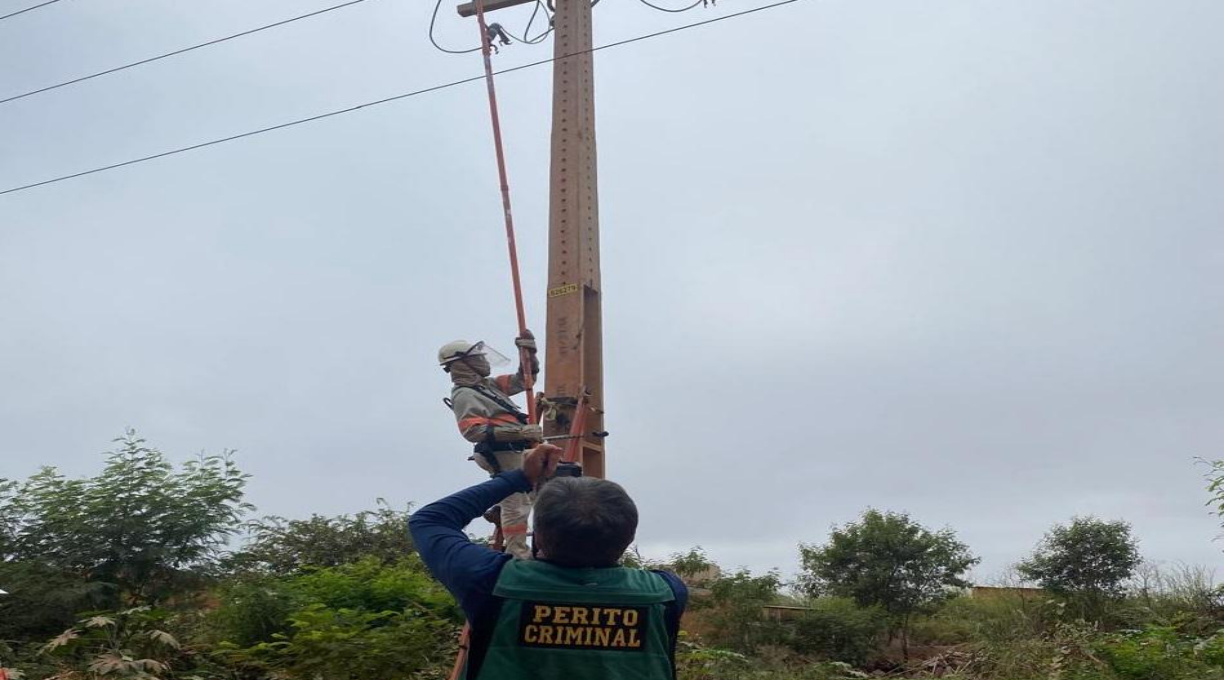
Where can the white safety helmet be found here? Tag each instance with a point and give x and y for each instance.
(462, 349)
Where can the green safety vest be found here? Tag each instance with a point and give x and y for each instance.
(576, 624)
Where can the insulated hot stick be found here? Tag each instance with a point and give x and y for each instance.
(524, 354)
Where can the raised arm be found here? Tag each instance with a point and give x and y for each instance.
(513, 384)
(468, 571)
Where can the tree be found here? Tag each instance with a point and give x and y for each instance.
(887, 560)
(141, 528)
(1087, 562)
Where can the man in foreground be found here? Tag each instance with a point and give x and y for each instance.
(572, 613)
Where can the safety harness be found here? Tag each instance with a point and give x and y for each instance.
(490, 447)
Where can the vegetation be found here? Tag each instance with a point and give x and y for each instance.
(140, 531)
(133, 575)
(1088, 562)
(888, 561)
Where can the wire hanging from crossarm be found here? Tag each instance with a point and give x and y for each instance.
(433, 20)
(674, 10)
(527, 30)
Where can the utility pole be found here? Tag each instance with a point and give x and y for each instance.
(573, 362)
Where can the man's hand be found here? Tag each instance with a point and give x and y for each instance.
(526, 341)
(541, 462)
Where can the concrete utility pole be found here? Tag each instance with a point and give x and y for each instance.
(574, 358)
(574, 353)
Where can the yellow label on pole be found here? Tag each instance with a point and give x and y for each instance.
(563, 290)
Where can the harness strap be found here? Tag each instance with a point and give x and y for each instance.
(504, 402)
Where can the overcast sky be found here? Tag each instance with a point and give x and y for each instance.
(958, 258)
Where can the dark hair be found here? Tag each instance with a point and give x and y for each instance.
(584, 521)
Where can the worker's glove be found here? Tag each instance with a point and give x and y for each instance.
(535, 364)
(512, 434)
(526, 341)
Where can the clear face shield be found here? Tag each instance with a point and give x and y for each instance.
(483, 358)
(494, 357)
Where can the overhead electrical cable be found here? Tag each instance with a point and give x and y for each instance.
(673, 10)
(28, 9)
(527, 30)
(432, 20)
(397, 97)
(159, 57)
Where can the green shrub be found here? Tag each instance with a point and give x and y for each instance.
(253, 611)
(1162, 653)
(126, 645)
(837, 629)
(996, 619)
(1066, 652)
(356, 621)
(698, 662)
(371, 585)
(734, 611)
(345, 644)
(287, 546)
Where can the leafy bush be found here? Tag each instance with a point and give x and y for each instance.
(732, 614)
(371, 585)
(286, 546)
(252, 611)
(1162, 653)
(44, 600)
(1000, 618)
(1067, 652)
(350, 644)
(837, 629)
(141, 528)
(358, 621)
(697, 662)
(130, 644)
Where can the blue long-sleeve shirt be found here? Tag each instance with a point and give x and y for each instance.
(470, 571)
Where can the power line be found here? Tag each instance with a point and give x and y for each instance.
(28, 9)
(527, 30)
(397, 97)
(109, 71)
(432, 20)
(674, 11)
